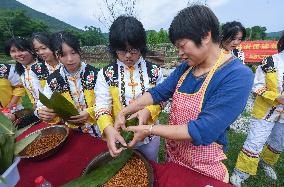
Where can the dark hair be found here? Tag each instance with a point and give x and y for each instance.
(43, 38)
(23, 45)
(280, 44)
(194, 22)
(57, 39)
(231, 29)
(127, 30)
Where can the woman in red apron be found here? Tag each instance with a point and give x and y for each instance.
(209, 90)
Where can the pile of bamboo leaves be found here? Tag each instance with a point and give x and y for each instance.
(9, 148)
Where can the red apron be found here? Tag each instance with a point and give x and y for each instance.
(186, 107)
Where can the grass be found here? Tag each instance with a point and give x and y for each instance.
(236, 141)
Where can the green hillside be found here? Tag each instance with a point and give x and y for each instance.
(53, 23)
(275, 35)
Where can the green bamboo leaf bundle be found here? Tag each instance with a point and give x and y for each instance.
(128, 135)
(103, 173)
(8, 145)
(61, 106)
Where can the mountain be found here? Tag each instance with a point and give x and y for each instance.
(53, 23)
(276, 35)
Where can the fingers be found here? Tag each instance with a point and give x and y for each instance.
(133, 116)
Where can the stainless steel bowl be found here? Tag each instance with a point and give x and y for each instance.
(55, 129)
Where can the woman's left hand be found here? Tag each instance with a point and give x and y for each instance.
(140, 133)
(142, 115)
(81, 118)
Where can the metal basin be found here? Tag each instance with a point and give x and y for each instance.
(55, 129)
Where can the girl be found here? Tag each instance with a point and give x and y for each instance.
(11, 88)
(75, 80)
(232, 35)
(126, 79)
(20, 50)
(42, 46)
(265, 139)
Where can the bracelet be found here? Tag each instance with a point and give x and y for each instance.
(150, 129)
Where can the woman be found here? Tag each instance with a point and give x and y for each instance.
(209, 91)
(12, 90)
(126, 79)
(42, 46)
(75, 80)
(232, 35)
(267, 123)
(21, 51)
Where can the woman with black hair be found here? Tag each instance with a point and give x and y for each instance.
(21, 51)
(265, 140)
(209, 91)
(42, 46)
(75, 80)
(125, 80)
(232, 35)
(11, 89)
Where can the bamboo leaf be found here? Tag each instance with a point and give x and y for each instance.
(103, 173)
(7, 152)
(128, 135)
(2, 180)
(20, 131)
(22, 144)
(6, 125)
(62, 106)
(45, 101)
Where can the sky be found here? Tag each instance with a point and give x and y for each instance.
(157, 14)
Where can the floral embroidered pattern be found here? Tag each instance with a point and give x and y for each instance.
(3, 71)
(89, 81)
(155, 71)
(109, 72)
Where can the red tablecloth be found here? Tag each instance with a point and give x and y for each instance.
(68, 163)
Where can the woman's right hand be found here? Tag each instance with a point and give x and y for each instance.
(46, 114)
(113, 136)
(120, 121)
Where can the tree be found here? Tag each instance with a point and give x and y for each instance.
(114, 8)
(256, 33)
(154, 37)
(16, 23)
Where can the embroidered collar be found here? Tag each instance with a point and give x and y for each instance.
(132, 83)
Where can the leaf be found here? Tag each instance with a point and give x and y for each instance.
(62, 106)
(128, 135)
(103, 173)
(2, 180)
(45, 101)
(22, 144)
(6, 125)
(20, 131)
(7, 152)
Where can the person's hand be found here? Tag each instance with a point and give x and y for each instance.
(142, 115)
(46, 114)
(280, 99)
(140, 133)
(120, 121)
(113, 136)
(81, 118)
(11, 116)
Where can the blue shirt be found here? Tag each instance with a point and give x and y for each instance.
(225, 98)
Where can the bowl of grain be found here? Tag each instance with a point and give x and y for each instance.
(136, 172)
(50, 141)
